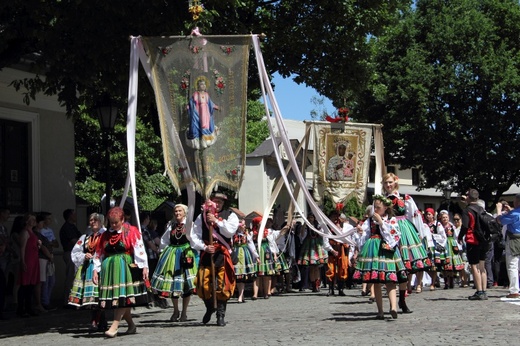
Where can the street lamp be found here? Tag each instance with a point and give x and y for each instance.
(446, 191)
(107, 115)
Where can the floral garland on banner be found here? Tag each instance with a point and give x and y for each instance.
(342, 116)
(195, 8)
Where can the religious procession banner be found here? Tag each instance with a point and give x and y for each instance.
(342, 154)
(200, 85)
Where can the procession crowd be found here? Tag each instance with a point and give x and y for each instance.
(116, 266)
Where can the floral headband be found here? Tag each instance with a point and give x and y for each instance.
(386, 201)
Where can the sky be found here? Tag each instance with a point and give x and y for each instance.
(294, 100)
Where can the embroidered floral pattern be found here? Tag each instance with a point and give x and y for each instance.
(227, 49)
(195, 49)
(220, 83)
(165, 50)
(185, 81)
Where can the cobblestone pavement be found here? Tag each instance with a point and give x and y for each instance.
(440, 317)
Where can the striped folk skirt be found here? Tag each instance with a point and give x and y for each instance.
(84, 293)
(245, 269)
(413, 252)
(121, 283)
(173, 277)
(375, 265)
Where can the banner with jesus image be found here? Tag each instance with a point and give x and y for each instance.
(200, 84)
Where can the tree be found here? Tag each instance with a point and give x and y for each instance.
(257, 130)
(326, 44)
(152, 186)
(446, 85)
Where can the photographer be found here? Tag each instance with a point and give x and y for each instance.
(511, 219)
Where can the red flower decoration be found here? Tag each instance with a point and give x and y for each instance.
(400, 203)
(392, 277)
(339, 206)
(407, 197)
(79, 242)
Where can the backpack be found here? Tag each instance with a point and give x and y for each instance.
(486, 226)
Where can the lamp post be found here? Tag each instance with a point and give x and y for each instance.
(107, 115)
(446, 191)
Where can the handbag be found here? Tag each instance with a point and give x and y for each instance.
(386, 247)
(187, 260)
(439, 248)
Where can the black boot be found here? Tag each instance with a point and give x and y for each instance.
(341, 284)
(402, 302)
(221, 313)
(209, 310)
(331, 290)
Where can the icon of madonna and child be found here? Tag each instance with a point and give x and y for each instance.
(202, 132)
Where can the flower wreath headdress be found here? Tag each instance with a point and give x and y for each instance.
(386, 201)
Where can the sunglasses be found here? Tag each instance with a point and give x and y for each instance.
(456, 219)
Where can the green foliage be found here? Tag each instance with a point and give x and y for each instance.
(446, 85)
(257, 128)
(351, 208)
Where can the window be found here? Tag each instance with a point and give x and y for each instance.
(416, 176)
(14, 165)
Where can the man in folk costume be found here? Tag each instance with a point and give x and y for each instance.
(222, 223)
(338, 260)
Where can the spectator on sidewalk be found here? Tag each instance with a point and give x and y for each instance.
(69, 235)
(477, 246)
(511, 218)
(48, 286)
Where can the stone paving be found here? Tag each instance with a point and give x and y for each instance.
(440, 317)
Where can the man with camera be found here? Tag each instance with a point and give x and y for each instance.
(511, 219)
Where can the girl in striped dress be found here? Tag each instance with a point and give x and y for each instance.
(453, 263)
(177, 266)
(266, 264)
(379, 261)
(84, 292)
(410, 222)
(246, 267)
(313, 252)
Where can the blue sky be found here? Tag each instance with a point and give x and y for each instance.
(294, 100)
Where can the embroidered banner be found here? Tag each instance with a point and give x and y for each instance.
(342, 154)
(200, 85)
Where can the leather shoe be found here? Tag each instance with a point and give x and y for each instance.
(131, 330)
(110, 334)
(513, 295)
(393, 313)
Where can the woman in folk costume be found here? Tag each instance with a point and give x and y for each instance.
(246, 267)
(121, 270)
(410, 221)
(277, 245)
(379, 261)
(313, 252)
(453, 263)
(177, 268)
(430, 228)
(84, 292)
